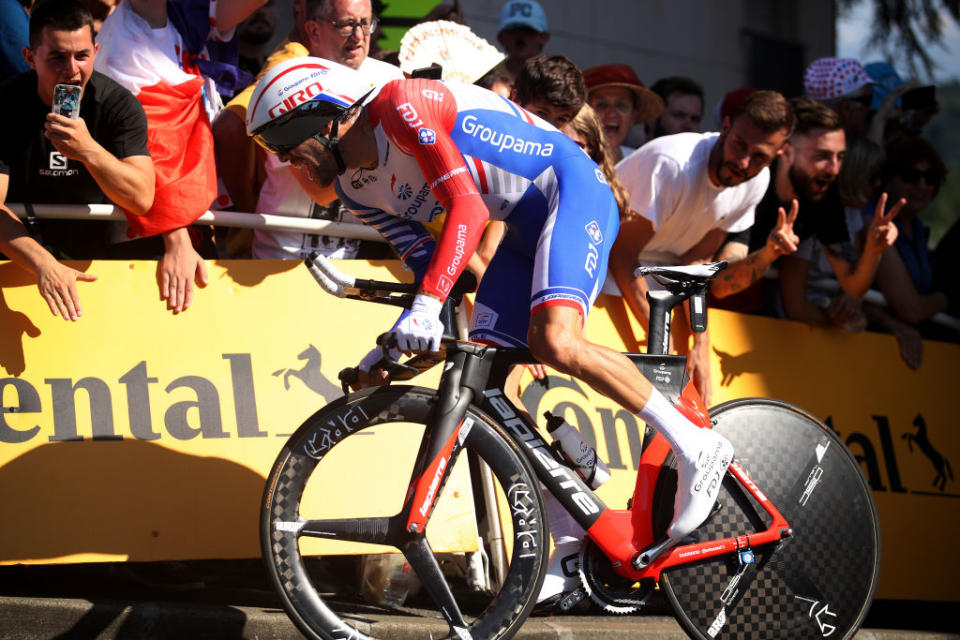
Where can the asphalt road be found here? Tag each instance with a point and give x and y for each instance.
(231, 600)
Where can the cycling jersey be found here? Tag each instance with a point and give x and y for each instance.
(463, 150)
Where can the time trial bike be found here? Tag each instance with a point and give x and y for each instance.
(791, 551)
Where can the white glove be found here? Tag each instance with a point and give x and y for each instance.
(421, 329)
(374, 356)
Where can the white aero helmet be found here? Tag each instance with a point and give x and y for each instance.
(295, 100)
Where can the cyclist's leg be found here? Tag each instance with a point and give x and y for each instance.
(569, 267)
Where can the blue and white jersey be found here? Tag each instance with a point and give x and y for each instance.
(465, 151)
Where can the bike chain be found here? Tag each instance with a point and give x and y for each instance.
(614, 593)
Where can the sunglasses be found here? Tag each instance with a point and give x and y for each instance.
(931, 176)
(286, 132)
(346, 28)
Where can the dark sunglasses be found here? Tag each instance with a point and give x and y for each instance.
(286, 132)
(931, 176)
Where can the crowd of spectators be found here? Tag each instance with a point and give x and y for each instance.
(826, 186)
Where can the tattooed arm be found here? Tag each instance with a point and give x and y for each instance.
(745, 269)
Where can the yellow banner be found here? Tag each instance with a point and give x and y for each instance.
(137, 434)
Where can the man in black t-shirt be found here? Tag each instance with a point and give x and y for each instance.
(803, 180)
(100, 157)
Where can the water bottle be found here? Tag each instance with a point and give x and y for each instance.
(581, 455)
(387, 579)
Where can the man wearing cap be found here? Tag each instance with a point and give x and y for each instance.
(620, 100)
(843, 85)
(522, 31)
(687, 191)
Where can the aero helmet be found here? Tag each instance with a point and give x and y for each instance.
(295, 100)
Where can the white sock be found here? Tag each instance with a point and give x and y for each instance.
(675, 427)
(567, 538)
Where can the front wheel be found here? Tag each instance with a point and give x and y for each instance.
(309, 496)
(817, 583)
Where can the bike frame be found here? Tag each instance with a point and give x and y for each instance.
(475, 374)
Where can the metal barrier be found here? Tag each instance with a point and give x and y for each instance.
(328, 228)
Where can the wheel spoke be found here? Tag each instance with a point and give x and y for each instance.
(372, 530)
(421, 558)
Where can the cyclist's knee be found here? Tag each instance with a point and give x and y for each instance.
(555, 339)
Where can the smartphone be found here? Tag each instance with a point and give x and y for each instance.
(919, 98)
(66, 100)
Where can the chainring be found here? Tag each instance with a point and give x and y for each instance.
(614, 593)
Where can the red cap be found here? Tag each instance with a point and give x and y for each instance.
(649, 104)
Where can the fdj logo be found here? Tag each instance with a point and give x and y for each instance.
(427, 136)
(593, 230)
(57, 160)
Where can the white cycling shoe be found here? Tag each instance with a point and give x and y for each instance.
(698, 483)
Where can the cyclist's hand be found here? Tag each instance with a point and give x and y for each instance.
(369, 372)
(421, 329)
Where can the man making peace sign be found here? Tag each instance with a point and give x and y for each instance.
(804, 183)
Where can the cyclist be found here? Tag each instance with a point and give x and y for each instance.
(417, 148)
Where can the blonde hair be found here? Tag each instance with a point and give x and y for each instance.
(587, 124)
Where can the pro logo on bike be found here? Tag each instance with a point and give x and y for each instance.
(336, 429)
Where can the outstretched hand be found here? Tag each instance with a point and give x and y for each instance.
(882, 232)
(782, 240)
(58, 286)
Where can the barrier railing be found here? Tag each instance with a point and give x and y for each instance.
(217, 218)
(328, 228)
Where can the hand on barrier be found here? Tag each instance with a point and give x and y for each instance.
(58, 286)
(420, 329)
(180, 266)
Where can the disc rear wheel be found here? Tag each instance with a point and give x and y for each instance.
(819, 581)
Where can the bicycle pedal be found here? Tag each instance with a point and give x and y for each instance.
(570, 600)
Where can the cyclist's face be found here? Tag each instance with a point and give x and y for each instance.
(815, 159)
(742, 151)
(314, 159)
(616, 110)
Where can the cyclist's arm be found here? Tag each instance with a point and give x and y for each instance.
(419, 118)
(410, 240)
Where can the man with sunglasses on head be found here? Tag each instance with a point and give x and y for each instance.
(337, 30)
(425, 148)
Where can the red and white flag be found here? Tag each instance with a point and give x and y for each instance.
(152, 64)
